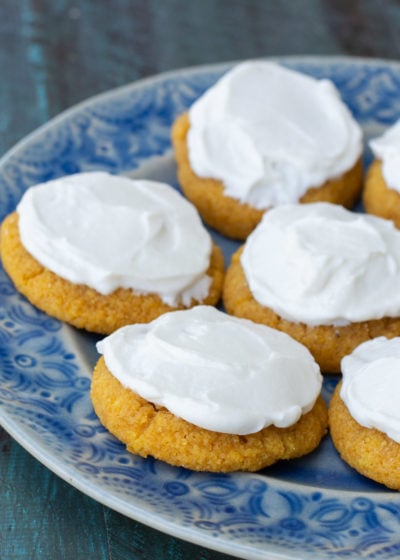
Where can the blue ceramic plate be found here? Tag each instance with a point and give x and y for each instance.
(316, 507)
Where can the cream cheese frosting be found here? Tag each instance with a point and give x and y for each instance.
(321, 264)
(371, 385)
(108, 231)
(216, 371)
(269, 134)
(387, 148)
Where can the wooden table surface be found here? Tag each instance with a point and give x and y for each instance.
(55, 53)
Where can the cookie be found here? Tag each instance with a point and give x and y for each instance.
(79, 305)
(369, 451)
(378, 198)
(333, 307)
(236, 219)
(101, 251)
(264, 136)
(381, 195)
(205, 391)
(364, 414)
(148, 430)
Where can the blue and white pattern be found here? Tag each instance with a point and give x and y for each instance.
(316, 507)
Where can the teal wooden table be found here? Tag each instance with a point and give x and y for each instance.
(54, 54)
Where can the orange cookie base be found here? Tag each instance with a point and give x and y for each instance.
(328, 344)
(79, 305)
(378, 198)
(233, 218)
(149, 430)
(369, 451)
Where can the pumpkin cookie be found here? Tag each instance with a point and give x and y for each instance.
(364, 411)
(188, 413)
(321, 274)
(237, 158)
(121, 284)
(378, 198)
(381, 194)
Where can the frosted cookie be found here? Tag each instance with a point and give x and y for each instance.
(327, 276)
(101, 251)
(263, 136)
(206, 391)
(381, 195)
(364, 412)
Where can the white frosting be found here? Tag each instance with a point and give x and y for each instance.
(371, 385)
(387, 149)
(216, 371)
(269, 134)
(323, 265)
(109, 231)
